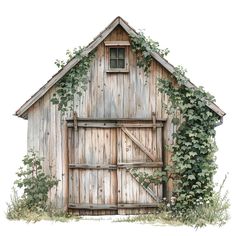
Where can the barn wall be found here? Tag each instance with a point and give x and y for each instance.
(46, 137)
(108, 95)
(120, 95)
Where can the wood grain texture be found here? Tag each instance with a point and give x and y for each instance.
(139, 144)
(94, 163)
(115, 132)
(134, 155)
(117, 95)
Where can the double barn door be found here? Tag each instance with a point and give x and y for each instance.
(102, 157)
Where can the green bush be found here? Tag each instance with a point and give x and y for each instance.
(34, 182)
(214, 211)
(35, 185)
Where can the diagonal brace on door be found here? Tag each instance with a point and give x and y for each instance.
(147, 189)
(139, 144)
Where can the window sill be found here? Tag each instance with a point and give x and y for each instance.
(117, 71)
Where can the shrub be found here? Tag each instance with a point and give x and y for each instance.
(214, 211)
(35, 185)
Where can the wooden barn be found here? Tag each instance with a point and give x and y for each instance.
(121, 124)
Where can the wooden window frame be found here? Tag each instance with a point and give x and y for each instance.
(117, 44)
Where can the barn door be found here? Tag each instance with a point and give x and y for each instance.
(92, 170)
(139, 146)
(101, 158)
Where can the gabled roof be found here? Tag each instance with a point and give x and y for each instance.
(22, 111)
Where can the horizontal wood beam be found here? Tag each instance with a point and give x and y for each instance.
(113, 125)
(92, 167)
(119, 165)
(116, 119)
(93, 125)
(140, 165)
(93, 206)
(111, 206)
(136, 205)
(117, 43)
(158, 125)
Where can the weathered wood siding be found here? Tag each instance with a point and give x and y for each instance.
(119, 95)
(108, 95)
(93, 182)
(46, 137)
(101, 156)
(130, 191)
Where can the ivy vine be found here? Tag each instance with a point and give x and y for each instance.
(193, 162)
(74, 82)
(157, 177)
(143, 47)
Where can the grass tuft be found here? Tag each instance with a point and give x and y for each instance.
(163, 218)
(18, 210)
(215, 212)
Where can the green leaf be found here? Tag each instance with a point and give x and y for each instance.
(191, 177)
(175, 121)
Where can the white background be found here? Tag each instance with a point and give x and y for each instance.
(200, 35)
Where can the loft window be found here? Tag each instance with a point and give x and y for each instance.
(117, 58)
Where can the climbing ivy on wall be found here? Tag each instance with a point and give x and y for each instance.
(73, 82)
(193, 162)
(144, 47)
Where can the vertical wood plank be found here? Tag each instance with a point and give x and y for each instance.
(65, 162)
(123, 173)
(106, 160)
(113, 160)
(36, 127)
(30, 133)
(100, 140)
(41, 129)
(159, 103)
(46, 130)
(70, 176)
(119, 171)
(99, 89)
(132, 92)
(58, 161)
(94, 173)
(152, 94)
(81, 144)
(159, 144)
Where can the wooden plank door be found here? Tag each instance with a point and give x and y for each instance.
(138, 147)
(101, 156)
(92, 170)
